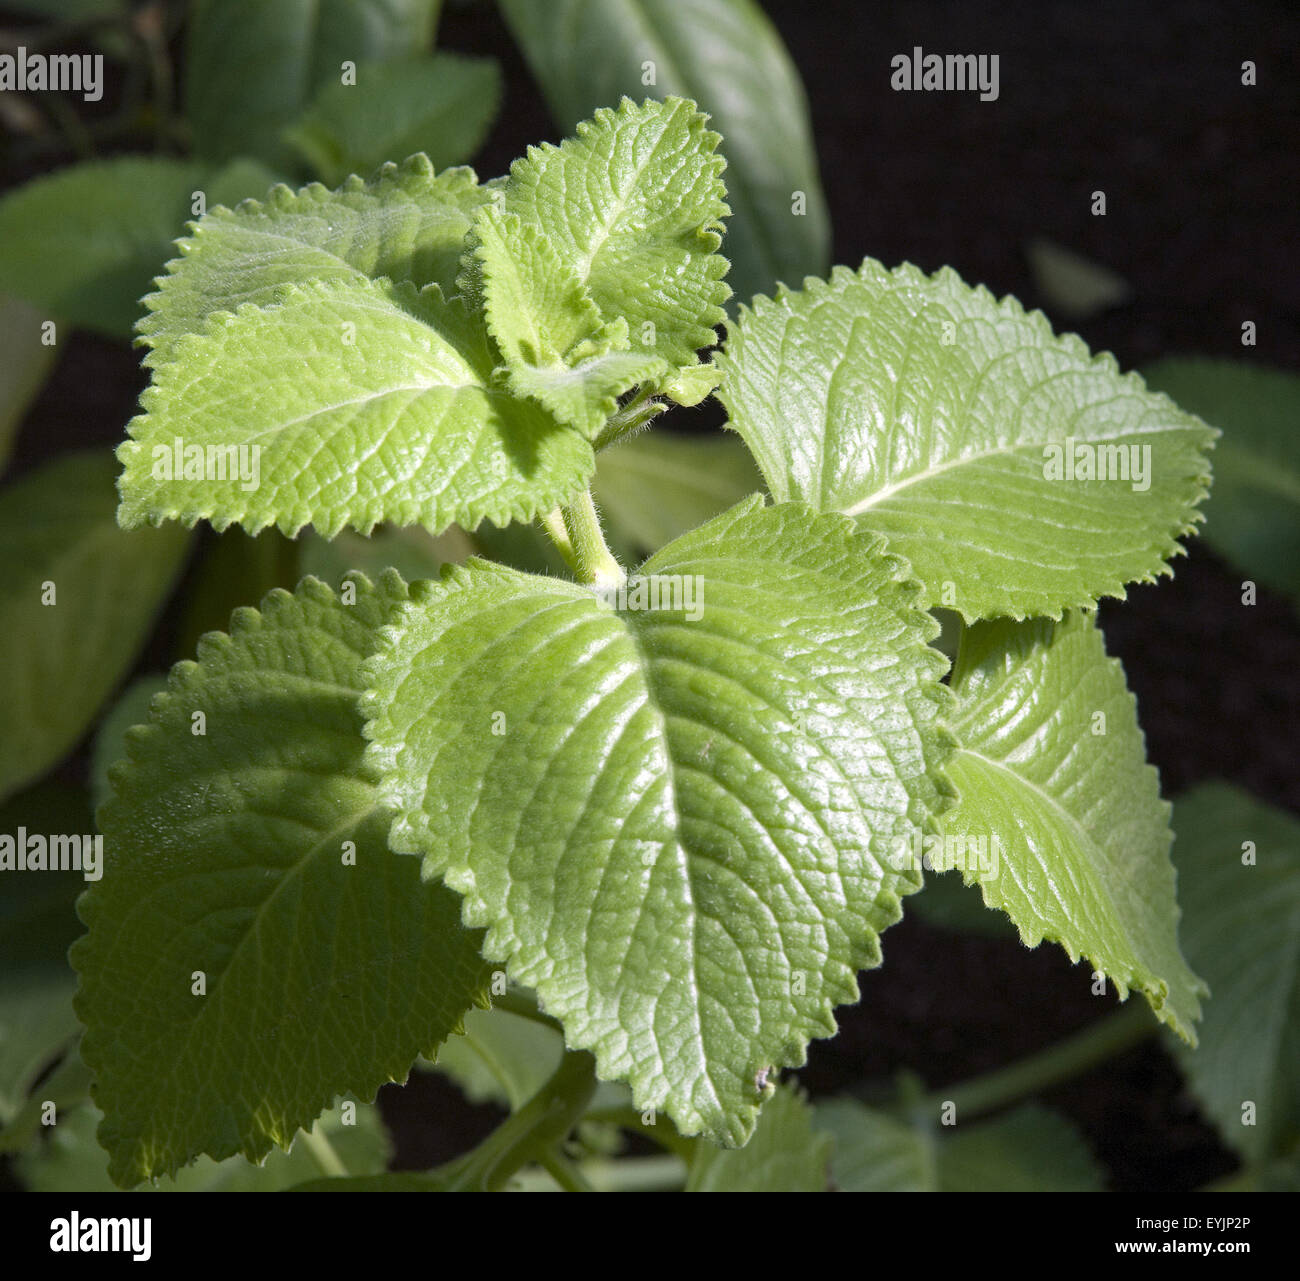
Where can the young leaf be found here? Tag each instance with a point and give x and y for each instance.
(83, 596)
(725, 55)
(346, 402)
(633, 206)
(1030, 1149)
(406, 223)
(969, 434)
(1053, 780)
(785, 1154)
(440, 105)
(254, 947)
(1238, 866)
(1253, 517)
(673, 822)
(82, 244)
(556, 347)
(253, 67)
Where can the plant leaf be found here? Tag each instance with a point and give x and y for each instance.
(633, 207)
(1241, 929)
(1253, 518)
(673, 818)
(785, 1154)
(406, 223)
(253, 67)
(81, 244)
(556, 347)
(441, 105)
(83, 596)
(225, 854)
(365, 402)
(728, 57)
(25, 363)
(1053, 765)
(931, 412)
(1030, 1149)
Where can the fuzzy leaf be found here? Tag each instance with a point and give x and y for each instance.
(83, 597)
(1053, 765)
(662, 822)
(1241, 929)
(633, 207)
(933, 413)
(440, 105)
(728, 57)
(406, 223)
(365, 402)
(225, 854)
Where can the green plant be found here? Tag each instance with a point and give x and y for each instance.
(680, 805)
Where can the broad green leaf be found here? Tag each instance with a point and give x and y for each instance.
(254, 852)
(1073, 285)
(674, 823)
(657, 485)
(785, 1154)
(1241, 929)
(83, 243)
(633, 208)
(1030, 1149)
(71, 1160)
(345, 403)
(441, 105)
(82, 598)
(131, 709)
(253, 67)
(937, 416)
(1253, 518)
(37, 923)
(406, 223)
(1060, 819)
(726, 56)
(557, 348)
(25, 363)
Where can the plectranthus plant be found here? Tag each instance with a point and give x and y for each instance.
(669, 809)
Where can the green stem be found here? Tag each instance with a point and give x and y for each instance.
(635, 414)
(577, 533)
(665, 1134)
(1097, 1042)
(565, 1173)
(323, 1152)
(530, 1135)
(627, 1174)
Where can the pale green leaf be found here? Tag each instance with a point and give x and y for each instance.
(1060, 819)
(25, 363)
(1253, 517)
(657, 485)
(226, 854)
(441, 105)
(82, 598)
(1030, 1149)
(83, 243)
(345, 403)
(71, 1160)
(784, 1154)
(633, 206)
(556, 346)
(406, 223)
(252, 67)
(674, 822)
(726, 56)
(1241, 929)
(935, 414)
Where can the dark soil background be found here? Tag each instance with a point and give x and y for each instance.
(1201, 173)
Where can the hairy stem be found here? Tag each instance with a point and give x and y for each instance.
(576, 532)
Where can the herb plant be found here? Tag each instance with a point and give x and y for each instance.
(678, 803)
